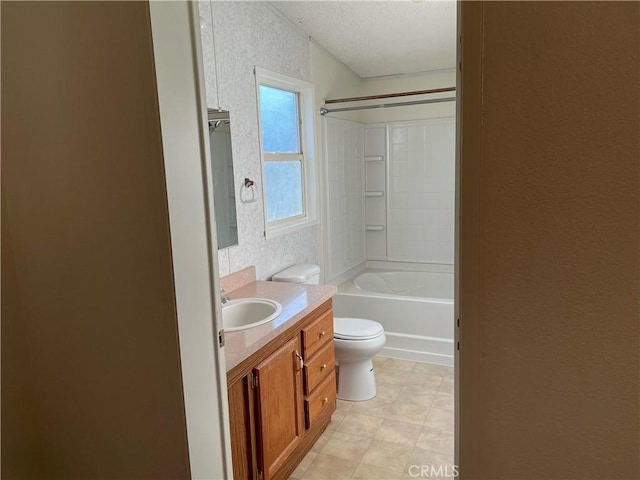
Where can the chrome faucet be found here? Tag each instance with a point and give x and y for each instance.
(223, 298)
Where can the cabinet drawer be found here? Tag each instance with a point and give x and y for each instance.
(320, 365)
(321, 401)
(315, 335)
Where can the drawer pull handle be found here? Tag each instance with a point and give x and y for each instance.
(322, 334)
(324, 365)
(325, 400)
(300, 359)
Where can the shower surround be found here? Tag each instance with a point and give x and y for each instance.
(391, 193)
(390, 206)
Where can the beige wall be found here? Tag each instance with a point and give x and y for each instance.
(549, 241)
(333, 79)
(91, 378)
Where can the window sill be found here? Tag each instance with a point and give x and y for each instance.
(276, 231)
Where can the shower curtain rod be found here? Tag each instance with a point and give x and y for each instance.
(324, 111)
(391, 95)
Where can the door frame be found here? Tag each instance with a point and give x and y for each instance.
(202, 360)
(187, 158)
(467, 353)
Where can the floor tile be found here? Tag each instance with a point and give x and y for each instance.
(325, 467)
(336, 419)
(447, 385)
(420, 396)
(346, 446)
(344, 405)
(439, 419)
(391, 377)
(394, 365)
(432, 369)
(362, 425)
(303, 466)
(408, 423)
(425, 400)
(405, 410)
(436, 440)
(399, 432)
(389, 455)
(444, 401)
(320, 443)
(386, 391)
(369, 472)
(376, 407)
(416, 475)
(423, 381)
(378, 361)
(429, 458)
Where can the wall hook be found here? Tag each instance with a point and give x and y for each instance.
(248, 182)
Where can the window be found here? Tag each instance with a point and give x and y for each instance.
(286, 141)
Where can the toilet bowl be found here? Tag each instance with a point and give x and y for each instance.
(356, 341)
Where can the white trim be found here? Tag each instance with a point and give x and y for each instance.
(183, 119)
(411, 266)
(281, 80)
(418, 349)
(323, 199)
(284, 157)
(309, 173)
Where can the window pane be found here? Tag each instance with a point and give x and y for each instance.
(279, 119)
(283, 184)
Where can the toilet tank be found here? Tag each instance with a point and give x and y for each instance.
(301, 273)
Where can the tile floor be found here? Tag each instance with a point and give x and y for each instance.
(409, 422)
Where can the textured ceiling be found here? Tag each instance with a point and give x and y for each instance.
(376, 38)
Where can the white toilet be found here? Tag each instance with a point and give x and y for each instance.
(356, 341)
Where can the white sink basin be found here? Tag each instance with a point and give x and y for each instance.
(248, 312)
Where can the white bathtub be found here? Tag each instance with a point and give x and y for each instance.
(415, 309)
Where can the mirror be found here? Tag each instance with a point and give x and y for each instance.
(223, 187)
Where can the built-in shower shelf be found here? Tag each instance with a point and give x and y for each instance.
(374, 228)
(374, 194)
(374, 158)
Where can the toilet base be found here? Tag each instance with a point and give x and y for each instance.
(356, 381)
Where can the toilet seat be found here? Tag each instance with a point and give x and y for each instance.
(346, 328)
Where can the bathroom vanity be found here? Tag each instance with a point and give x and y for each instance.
(281, 380)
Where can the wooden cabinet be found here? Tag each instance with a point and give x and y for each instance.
(321, 400)
(319, 370)
(318, 367)
(241, 421)
(279, 387)
(317, 334)
(274, 421)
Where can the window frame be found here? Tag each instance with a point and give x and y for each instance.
(304, 93)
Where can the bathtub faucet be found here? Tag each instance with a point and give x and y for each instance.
(223, 298)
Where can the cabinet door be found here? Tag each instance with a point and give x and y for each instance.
(241, 426)
(279, 406)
